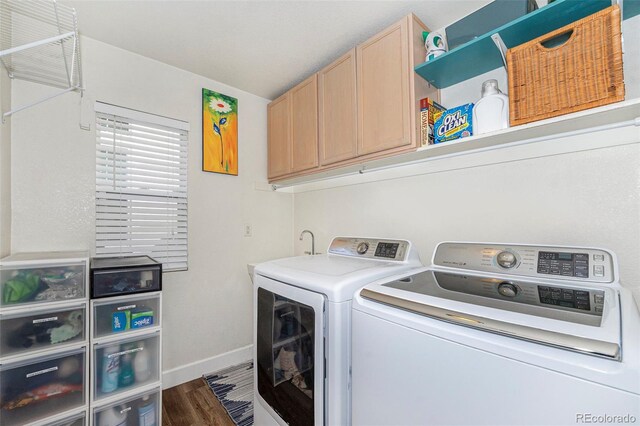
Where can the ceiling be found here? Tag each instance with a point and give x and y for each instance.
(263, 47)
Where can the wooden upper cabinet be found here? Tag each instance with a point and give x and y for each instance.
(383, 90)
(363, 106)
(279, 137)
(304, 124)
(337, 117)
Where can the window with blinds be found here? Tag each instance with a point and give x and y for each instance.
(141, 185)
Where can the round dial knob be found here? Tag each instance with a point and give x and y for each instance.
(362, 248)
(506, 259)
(507, 290)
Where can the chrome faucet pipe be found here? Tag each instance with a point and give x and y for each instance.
(313, 240)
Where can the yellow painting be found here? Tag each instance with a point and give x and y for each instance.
(219, 133)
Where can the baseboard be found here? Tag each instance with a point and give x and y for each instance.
(191, 371)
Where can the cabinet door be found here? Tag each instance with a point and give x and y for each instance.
(383, 91)
(304, 124)
(279, 137)
(337, 110)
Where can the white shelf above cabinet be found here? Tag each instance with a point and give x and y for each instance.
(39, 43)
(481, 149)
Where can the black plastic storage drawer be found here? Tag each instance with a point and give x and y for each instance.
(117, 276)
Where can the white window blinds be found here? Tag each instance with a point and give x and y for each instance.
(141, 185)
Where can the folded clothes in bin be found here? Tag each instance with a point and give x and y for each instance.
(20, 288)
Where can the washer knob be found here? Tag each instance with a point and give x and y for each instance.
(506, 259)
(507, 289)
(362, 248)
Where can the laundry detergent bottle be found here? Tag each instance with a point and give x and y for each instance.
(116, 416)
(142, 364)
(491, 112)
(147, 412)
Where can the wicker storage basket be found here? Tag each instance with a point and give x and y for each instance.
(583, 72)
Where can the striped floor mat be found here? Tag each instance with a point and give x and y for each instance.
(233, 387)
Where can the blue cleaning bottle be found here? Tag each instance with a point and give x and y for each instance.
(147, 412)
(126, 376)
(110, 368)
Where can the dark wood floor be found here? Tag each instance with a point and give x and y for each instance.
(192, 404)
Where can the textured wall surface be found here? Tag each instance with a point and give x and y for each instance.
(208, 309)
(582, 198)
(589, 198)
(5, 167)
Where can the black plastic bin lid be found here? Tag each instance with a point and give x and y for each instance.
(122, 262)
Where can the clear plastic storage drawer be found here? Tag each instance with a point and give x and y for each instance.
(125, 365)
(141, 410)
(38, 388)
(43, 283)
(37, 329)
(77, 419)
(120, 315)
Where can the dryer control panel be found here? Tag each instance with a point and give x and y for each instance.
(572, 263)
(371, 248)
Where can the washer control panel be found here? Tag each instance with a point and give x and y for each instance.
(506, 259)
(581, 264)
(371, 248)
(563, 263)
(568, 298)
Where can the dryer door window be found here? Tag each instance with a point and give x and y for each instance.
(290, 355)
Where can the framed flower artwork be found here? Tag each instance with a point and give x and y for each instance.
(219, 133)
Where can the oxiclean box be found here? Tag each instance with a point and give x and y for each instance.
(454, 123)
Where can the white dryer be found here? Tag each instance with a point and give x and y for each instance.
(302, 327)
(498, 334)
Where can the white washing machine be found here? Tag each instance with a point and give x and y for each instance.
(498, 334)
(302, 327)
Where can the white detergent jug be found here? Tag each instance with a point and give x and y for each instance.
(491, 112)
(142, 364)
(116, 416)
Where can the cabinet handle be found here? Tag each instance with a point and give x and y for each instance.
(130, 351)
(41, 320)
(37, 373)
(122, 308)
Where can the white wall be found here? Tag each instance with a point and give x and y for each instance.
(208, 309)
(5, 166)
(588, 197)
(582, 198)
